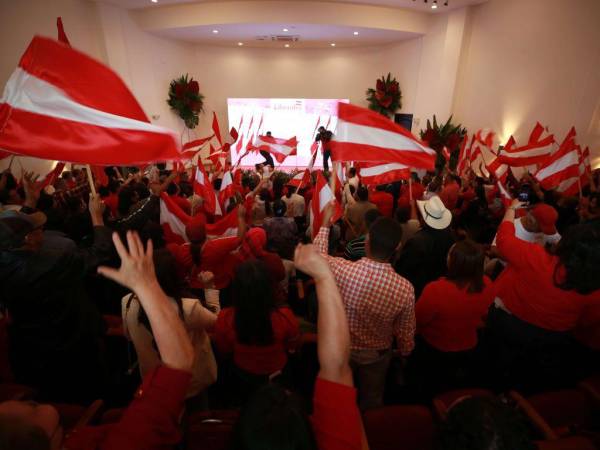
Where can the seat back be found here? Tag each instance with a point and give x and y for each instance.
(210, 430)
(400, 426)
(443, 402)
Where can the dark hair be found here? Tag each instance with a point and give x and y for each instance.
(66, 175)
(253, 301)
(172, 189)
(279, 208)
(18, 434)
(579, 254)
(352, 189)
(126, 196)
(265, 196)
(480, 423)
(273, 419)
(166, 274)
(403, 214)
(371, 216)
(465, 265)
(362, 193)
(351, 172)
(384, 236)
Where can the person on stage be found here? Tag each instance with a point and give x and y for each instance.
(325, 137)
(267, 155)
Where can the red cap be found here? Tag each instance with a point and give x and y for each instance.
(546, 217)
(196, 228)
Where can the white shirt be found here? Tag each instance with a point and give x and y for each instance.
(196, 319)
(535, 238)
(295, 205)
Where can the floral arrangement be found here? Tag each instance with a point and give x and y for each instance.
(447, 136)
(386, 97)
(186, 100)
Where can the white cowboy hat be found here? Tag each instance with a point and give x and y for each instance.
(434, 213)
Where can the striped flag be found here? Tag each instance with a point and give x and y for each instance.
(561, 166)
(535, 152)
(366, 136)
(189, 146)
(278, 147)
(322, 195)
(216, 129)
(376, 174)
(300, 179)
(78, 110)
(227, 187)
(204, 188)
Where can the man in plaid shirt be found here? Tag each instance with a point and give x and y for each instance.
(379, 304)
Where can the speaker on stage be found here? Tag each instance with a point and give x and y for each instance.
(404, 120)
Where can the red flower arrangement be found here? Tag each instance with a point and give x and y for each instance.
(186, 100)
(438, 137)
(386, 97)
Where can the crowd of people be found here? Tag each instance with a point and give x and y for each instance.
(422, 286)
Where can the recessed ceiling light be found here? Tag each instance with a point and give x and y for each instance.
(287, 45)
(285, 30)
(154, 1)
(215, 31)
(332, 44)
(434, 6)
(240, 43)
(355, 33)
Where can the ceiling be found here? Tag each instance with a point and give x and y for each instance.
(418, 5)
(311, 35)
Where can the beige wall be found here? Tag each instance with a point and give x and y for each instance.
(528, 60)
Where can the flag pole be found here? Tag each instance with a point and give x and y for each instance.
(12, 158)
(410, 187)
(90, 180)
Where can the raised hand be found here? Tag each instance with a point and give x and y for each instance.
(137, 266)
(32, 189)
(309, 260)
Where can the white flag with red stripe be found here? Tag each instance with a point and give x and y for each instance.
(376, 174)
(227, 187)
(300, 179)
(278, 147)
(364, 135)
(78, 110)
(322, 195)
(535, 152)
(174, 220)
(571, 186)
(204, 188)
(561, 166)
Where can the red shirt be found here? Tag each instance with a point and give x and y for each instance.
(417, 194)
(448, 317)
(263, 360)
(151, 421)
(527, 286)
(449, 195)
(384, 202)
(336, 420)
(112, 203)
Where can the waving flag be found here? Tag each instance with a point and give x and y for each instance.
(561, 166)
(376, 174)
(463, 155)
(53, 175)
(204, 188)
(78, 110)
(535, 152)
(300, 179)
(173, 221)
(197, 143)
(279, 148)
(216, 129)
(227, 187)
(322, 195)
(364, 135)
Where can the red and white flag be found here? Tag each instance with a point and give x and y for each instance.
(322, 195)
(216, 129)
(376, 174)
(278, 147)
(463, 155)
(504, 194)
(204, 188)
(535, 152)
(53, 175)
(485, 137)
(561, 166)
(199, 143)
(227, 187)
(173, 221)
(78, 110)
(366, 136)
(572, 186)
(300, 179)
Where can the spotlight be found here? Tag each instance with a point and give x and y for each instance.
(355, 33)
(240, 43)
(332, 44)
(434, 6)
(287, 45)
(285, 30)
(215, 31)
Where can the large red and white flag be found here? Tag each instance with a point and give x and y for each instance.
(561, 166)
(376, 174)
(572, 186)
(366, 136)
(173, 221)
(300, 179)
(227, 187)
(322, 195)
(534, 152)
(78, 110)
(280, 148)
(204, 188)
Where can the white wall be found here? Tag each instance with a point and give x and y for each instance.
(528, 60)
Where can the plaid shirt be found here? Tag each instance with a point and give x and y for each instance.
(380, 304)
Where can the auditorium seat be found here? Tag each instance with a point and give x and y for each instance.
(443, 402)
(210, 430)
(400, 427)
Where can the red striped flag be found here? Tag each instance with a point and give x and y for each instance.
(375, 174)
(227, 187)
(364, 135)
(204, 188)
(300, 179)
(561, 166)
(278, 147)
(197, 143)
(462, 155)
(78, 110)
(322, 195)
(535, 152)
(216, 129)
